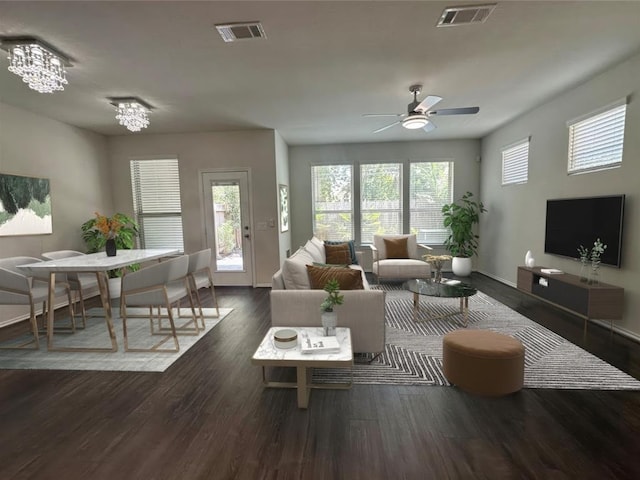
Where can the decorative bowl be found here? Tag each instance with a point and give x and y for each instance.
(285, 338)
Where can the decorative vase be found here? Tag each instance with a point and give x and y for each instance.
(594, 277)
(329, 323)
(438, 275)
(531, 262)
(461, 266)
(528, 256)
(110, 247)
(584, 272)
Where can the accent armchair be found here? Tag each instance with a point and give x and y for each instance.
(399, 257)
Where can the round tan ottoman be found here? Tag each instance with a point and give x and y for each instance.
(483, 362)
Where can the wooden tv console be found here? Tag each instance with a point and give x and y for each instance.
(598, 302)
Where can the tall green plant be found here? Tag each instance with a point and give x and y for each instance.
(460, 218)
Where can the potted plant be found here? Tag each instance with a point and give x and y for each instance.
(329, 317)
(120, 230)
(462, 242)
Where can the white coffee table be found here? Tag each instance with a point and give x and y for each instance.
(268, 355)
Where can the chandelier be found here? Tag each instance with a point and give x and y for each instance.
(38, 64)
(131, 112)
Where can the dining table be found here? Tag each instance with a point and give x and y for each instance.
(98, 263)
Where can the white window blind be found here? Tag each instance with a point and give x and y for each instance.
(515, 163)
(156, 203)
(332, 194)
(430, 187)
(596, 142)
(380, 200)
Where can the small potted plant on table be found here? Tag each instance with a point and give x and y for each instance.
(329, 317)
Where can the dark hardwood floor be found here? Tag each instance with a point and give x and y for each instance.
(208, 417)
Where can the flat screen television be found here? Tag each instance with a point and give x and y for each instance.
(572, 222)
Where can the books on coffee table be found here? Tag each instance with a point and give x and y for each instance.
(316, 344)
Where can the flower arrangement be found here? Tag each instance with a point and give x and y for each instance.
(437, 262)
(109, 227)
(594, 255)
(332, 287)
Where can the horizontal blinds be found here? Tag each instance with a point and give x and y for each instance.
(430, 188)
(332, 187)
(156, 202)
(597, 141)
(515, 164)
(380, 200)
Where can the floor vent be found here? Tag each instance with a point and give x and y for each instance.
(232, 32)
(455, 16)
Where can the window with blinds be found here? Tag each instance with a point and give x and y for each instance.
(332, 194)
(380, 200)
(515, 163)
(596, 142)
(156, 203)
(430, 187)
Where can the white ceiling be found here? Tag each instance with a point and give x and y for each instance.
(321, 66)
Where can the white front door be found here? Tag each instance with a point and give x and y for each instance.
(227, 226)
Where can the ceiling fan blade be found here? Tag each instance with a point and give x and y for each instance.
(455, 111)
(427, 103)
(388, 126)
(384, 114)
(429, 127)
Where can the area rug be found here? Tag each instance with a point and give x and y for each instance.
(96, 335)
(413, 353)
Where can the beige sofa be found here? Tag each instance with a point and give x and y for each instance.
(294, 303)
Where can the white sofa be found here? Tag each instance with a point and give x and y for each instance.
(295, 304)
(399, 268)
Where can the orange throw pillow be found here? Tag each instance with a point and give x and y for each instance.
(338, 254)
(348, 278)
(396, 247)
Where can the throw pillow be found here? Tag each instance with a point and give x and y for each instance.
(396, 247)
(347, 278)
(337, 254)
(352, 249)
(341, 265)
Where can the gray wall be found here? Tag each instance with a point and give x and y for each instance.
(74, 161)
(282, 178)
(254, 150)
(515, 222)
(464, 154)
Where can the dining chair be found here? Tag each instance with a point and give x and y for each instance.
(80, 283)
(199, 275)
(159, 285)
(19, 289)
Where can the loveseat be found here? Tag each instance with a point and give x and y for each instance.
(295, 304)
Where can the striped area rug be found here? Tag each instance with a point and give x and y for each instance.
(413, 353)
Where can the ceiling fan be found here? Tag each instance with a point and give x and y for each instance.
(418, 113)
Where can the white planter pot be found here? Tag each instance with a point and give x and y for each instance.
(329, 323)
(461, 266)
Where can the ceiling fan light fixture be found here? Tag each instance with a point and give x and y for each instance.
(415, 121)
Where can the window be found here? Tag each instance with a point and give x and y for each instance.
(596, 142)
(332, 188)
(380, 200)
(430, 187)
(156, 203)
(515, 163)
(387, 201)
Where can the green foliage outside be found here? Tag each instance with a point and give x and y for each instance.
(125, 240)
(228, 232)
(460, 218)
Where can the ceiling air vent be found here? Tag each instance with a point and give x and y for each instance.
(232, 32)
(454, 16)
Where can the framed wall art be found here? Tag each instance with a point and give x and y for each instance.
(283, 194)
(25, 206)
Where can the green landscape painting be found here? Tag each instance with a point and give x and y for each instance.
(25, 206)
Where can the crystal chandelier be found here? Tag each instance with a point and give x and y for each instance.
(131, 113)
(39, 65)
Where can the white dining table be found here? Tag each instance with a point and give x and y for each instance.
(97, 263)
